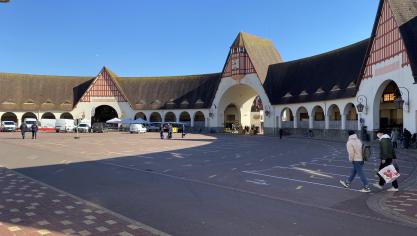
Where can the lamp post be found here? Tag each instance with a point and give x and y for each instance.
(361, 108)
(399, 101)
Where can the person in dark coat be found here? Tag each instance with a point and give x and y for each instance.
(169, 131)
(387, 157)
(23, 129)
(34, 129)
(161, 131)
(280, 133)
(406, 138)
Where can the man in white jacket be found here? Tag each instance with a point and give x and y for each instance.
(354, 148)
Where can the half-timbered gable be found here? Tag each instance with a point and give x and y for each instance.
(104, 87)
(250, 54)
(387, 39)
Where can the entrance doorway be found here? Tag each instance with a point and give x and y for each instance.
(104, 113)
(390, 116)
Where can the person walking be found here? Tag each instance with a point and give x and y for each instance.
(161, 131)
(394, 138)
(23, 129)
(354, 148)
(280, 133)
(34, 129)
(169, 131)
(387, 156)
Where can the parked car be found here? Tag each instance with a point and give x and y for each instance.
(83, 128)
(64, 125)
(29, 122)
(98, 128)
(153, 127)
(137, 128)
(8, 126)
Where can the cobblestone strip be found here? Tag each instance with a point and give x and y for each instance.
(29, 207)
(400, 205)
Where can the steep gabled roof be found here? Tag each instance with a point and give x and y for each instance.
(315, 78)
(405, 13)
(262, 52)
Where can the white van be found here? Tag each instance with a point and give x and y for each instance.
(137, 128)
(64, 125)
(8, 126)
(29, 122)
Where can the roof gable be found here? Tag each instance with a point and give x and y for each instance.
(104, 85)
(250, 54)
(394, 33)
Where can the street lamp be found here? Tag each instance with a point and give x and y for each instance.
(360, 99)
(399, 101)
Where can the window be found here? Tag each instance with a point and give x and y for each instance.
(389, 97)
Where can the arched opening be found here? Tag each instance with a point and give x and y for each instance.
(302, 118)
(351, 117)
(335, 118)
(66, 115)
(155, 117)
(199, 121)
(170, 117)
(103, 113)
(140, 115)
(240, 109)
(319, 119)
(390, 116)
(287, 118)
(185, 118)
(257, 114)
(29, 115)
(231, 118)
(48, 115)
(9, 116)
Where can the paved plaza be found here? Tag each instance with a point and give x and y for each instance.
(129, 184)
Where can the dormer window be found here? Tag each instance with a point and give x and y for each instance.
(303, 93)
(30, 101)
(351, 85)
(335, 88)
(319, 91)
(287, 95)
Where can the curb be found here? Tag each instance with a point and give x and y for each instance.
(377, 202)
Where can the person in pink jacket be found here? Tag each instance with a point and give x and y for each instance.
(354, 148)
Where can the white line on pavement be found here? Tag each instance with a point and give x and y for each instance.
(300, 181)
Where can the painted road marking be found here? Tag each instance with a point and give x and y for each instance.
(346, 167)
(299, 187)
(212, 176)
(258, 182)
(300, 181)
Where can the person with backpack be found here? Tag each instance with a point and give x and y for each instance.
(356, 150)
(387, 157)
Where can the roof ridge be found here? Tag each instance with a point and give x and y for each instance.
(326, 53)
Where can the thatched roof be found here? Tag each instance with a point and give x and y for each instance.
(330, 75)
(29, 92)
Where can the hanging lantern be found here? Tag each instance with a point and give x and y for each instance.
(360, 107)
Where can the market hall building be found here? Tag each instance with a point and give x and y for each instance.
(370, 83)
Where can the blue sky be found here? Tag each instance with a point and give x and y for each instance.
(140, 38)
